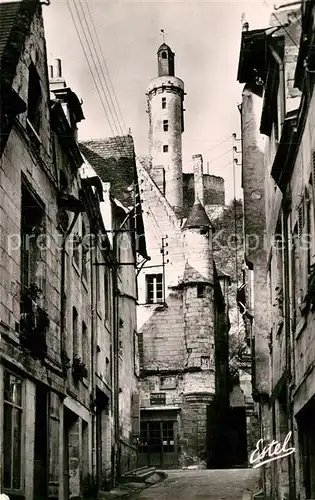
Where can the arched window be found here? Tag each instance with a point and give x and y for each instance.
(164, 55)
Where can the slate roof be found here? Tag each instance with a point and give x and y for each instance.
(15, 24)
(164, 46)
(113, 159)
(197, 217)
(8, 12)
(191, 275)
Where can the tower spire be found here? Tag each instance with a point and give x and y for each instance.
(163, 35)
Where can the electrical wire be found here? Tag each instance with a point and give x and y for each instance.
(220, 156)
(101, 77)
(104, 65)
(282, 26)
(96, 83)
(216, 146)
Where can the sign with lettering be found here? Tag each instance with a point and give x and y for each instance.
(157, 398)
(272, 451)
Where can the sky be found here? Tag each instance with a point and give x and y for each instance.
(205, 36)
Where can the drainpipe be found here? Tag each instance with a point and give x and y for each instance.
(278, 59)
(63, 297)
(115, 392)
(93, 367)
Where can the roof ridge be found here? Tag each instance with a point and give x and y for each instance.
(126, 136)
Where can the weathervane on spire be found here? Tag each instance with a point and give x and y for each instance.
(163, 35)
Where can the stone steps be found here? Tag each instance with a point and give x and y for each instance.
(138, 475)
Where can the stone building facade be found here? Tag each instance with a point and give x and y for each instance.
(182, 314)
(69, 417)
(276, 65)
(114, 161)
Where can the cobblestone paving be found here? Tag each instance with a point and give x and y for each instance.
(231, 484)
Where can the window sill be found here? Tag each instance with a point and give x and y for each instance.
(279, 326)
(13, 493)
(9, 333)
(300, 327)
(151, 304)
(84, 282)
(76, 267)
(33, 132)
(107, 324)
(85, 382)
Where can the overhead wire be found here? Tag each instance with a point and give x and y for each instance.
(96, 77)
(282, 26)
(104, 65)
(102, 78)
(214, 147)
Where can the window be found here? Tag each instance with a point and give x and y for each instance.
(157, 437)
(85, 250)
(154, 288)
(205, 362)
(164, 55)
(201, 291)
(163, 102)
(12, 432)
(107, 292)
(32, 215)
(76, 249)
(85, 345)
(165, 125)
(98, 272)
(34, 98)
(165, 148)
(75, 333)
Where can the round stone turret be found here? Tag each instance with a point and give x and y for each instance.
(166, 125)
(197, 232)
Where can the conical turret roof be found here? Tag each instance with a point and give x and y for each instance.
(164, 46)
(197, 217)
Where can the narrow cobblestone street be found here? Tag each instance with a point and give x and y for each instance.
(231, 484)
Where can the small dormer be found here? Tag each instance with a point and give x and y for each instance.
(166, 61)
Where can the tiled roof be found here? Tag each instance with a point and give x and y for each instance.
(113, 159)
(8, 13)
(15, 24)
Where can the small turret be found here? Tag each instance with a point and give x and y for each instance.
(166, 61)
(197, 232)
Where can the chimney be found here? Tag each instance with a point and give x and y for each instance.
(245, 26)
(198, 177)
(57, 68)
(56, 80)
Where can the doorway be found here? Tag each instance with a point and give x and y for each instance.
(41, 444)
(158, 444)
(237, 437)
(70, 448)
(306, 420)
(102, 437)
